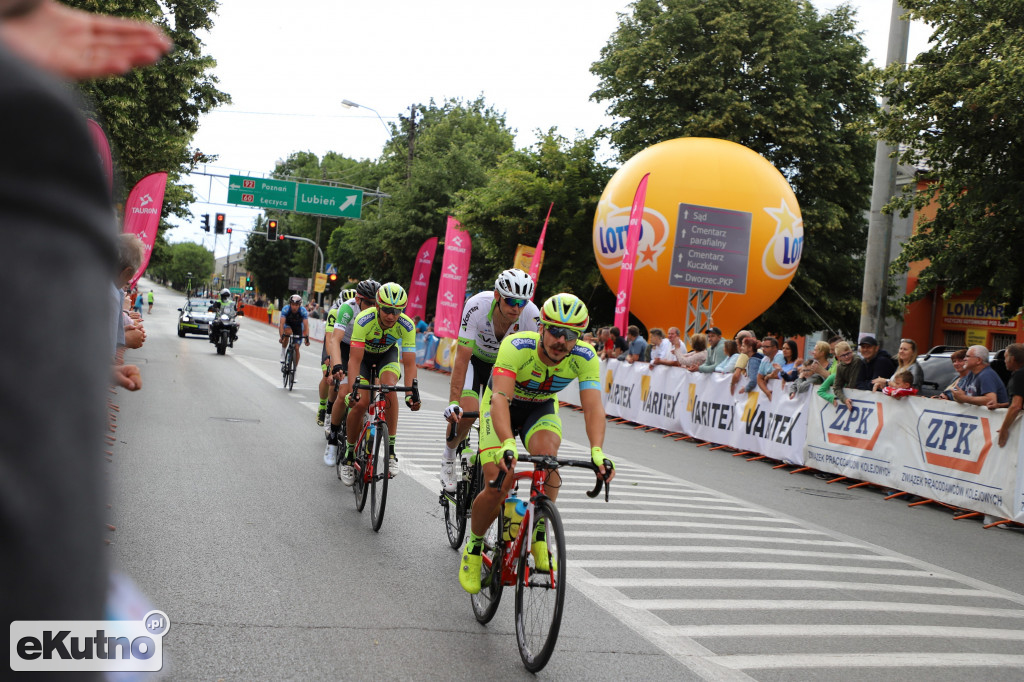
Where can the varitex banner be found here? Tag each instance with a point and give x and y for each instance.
(936, 449)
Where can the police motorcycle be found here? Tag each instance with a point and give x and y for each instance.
(224, 328)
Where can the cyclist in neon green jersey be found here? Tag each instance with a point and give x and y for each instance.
(530, 369)
(378, 337)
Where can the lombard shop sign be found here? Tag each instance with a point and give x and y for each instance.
(968, 313)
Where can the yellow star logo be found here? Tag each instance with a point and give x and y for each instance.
(785, 220)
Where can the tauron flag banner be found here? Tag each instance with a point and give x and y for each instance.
(421, 279)
(99, 139)
(636, 219)
(451, 290)
(539, 253)
(142, 214)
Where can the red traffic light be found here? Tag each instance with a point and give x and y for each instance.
(280, 237)
(229, 230)
(218, 223)
(332, 278)
(271, 230)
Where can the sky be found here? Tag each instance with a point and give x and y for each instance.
(288, 66)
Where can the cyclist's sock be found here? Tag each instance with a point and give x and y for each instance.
(330, 406)
(350, 448)
(323, 403)
(391, 445)
(448, 455)
(474, 543)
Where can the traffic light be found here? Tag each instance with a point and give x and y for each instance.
(332, 278)
(229, 230)
(248, 283)
(271, 230)
(218, 224)
(206, 222)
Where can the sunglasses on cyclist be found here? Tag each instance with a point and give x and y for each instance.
(517, 302)
(387, 310)
(559, 332)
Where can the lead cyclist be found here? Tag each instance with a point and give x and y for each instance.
(487, 318)
(530, 369)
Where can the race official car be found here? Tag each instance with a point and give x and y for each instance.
(195, 317)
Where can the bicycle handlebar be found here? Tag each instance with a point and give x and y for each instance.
(383, 388)
(549, 462)
(465, 415)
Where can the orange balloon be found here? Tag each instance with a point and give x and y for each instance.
(717, 217)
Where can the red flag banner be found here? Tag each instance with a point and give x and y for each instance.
(142, 214)
(421, 279)
(636, 219)
(451, 291)
(535, 264)
(99, 139)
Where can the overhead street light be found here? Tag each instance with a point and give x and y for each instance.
(348, 104)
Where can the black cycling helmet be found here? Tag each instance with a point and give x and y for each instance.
(368, 289)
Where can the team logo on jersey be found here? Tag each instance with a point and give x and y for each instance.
(365, 318)
(524, 342)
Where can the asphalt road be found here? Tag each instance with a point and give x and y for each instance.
(702, 566)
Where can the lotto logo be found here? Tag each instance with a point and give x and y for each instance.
(858, 426)
(954, 441)
(89, 645)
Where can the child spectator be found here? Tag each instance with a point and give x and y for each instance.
(902, 384)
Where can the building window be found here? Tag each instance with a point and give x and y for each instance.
(952, 337)
(1001, 341)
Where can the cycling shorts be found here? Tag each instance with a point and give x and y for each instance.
(325, 358)
(378, 363)
(478, 375)
(527, 419)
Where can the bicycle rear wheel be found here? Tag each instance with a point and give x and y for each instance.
(291, 374)
(359, 485)
(379, 482)
(455, 514)
(485, 602)
(540, 594)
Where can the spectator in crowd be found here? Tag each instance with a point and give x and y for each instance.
(902, 385)
(696, 357)
(877, 363)
(421, 326)
(732, 353)
(907, 361)
(811, 373)
(716, 351)
(770, 364)
(616, 344)
(55, 209)
(983, 386)
(637, 347)
(1014, 356)
(791, 360)
(661, 348)
(677, 349)
(746, 376)
(848, 369)
(959, 360)
(588, 337)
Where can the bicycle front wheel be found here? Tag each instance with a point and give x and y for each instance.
(455, 515)
(291, 374)
(485, 602)
(540, 588)
(287, 369)
(379, 482)
(359, 487)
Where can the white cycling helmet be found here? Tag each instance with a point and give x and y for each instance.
(514, 283)
(225, 292)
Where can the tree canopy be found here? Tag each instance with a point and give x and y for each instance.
(775, 76)
(151, 114)
(957, 114)
(181, 259)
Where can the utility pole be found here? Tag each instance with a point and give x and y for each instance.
(883, 188)
(412, 141)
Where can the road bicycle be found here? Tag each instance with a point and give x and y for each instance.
(540, 592)
(458, 505)
(289, 367)
(372, 462)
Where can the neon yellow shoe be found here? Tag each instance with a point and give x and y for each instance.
(469, 572)
(539, 549)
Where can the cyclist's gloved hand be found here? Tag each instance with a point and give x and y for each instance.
(454, 409)
(410, 404)
(598, 457)
(348, 400)
(508, 447)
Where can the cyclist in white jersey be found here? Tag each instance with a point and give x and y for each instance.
(487, 318)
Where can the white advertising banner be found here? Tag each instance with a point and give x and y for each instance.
(940, 450)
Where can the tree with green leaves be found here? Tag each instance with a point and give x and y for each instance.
(438, 151)
(779, 78)
(510, 208)
(151, 115)
(957, 114)
(181, 259)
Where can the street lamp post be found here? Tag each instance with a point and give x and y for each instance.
(349, 104)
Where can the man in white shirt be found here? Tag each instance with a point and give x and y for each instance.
(661, 348)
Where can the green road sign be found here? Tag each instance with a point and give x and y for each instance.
(284, 195)
(261, 192)
(236, 290)
(329, 201)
